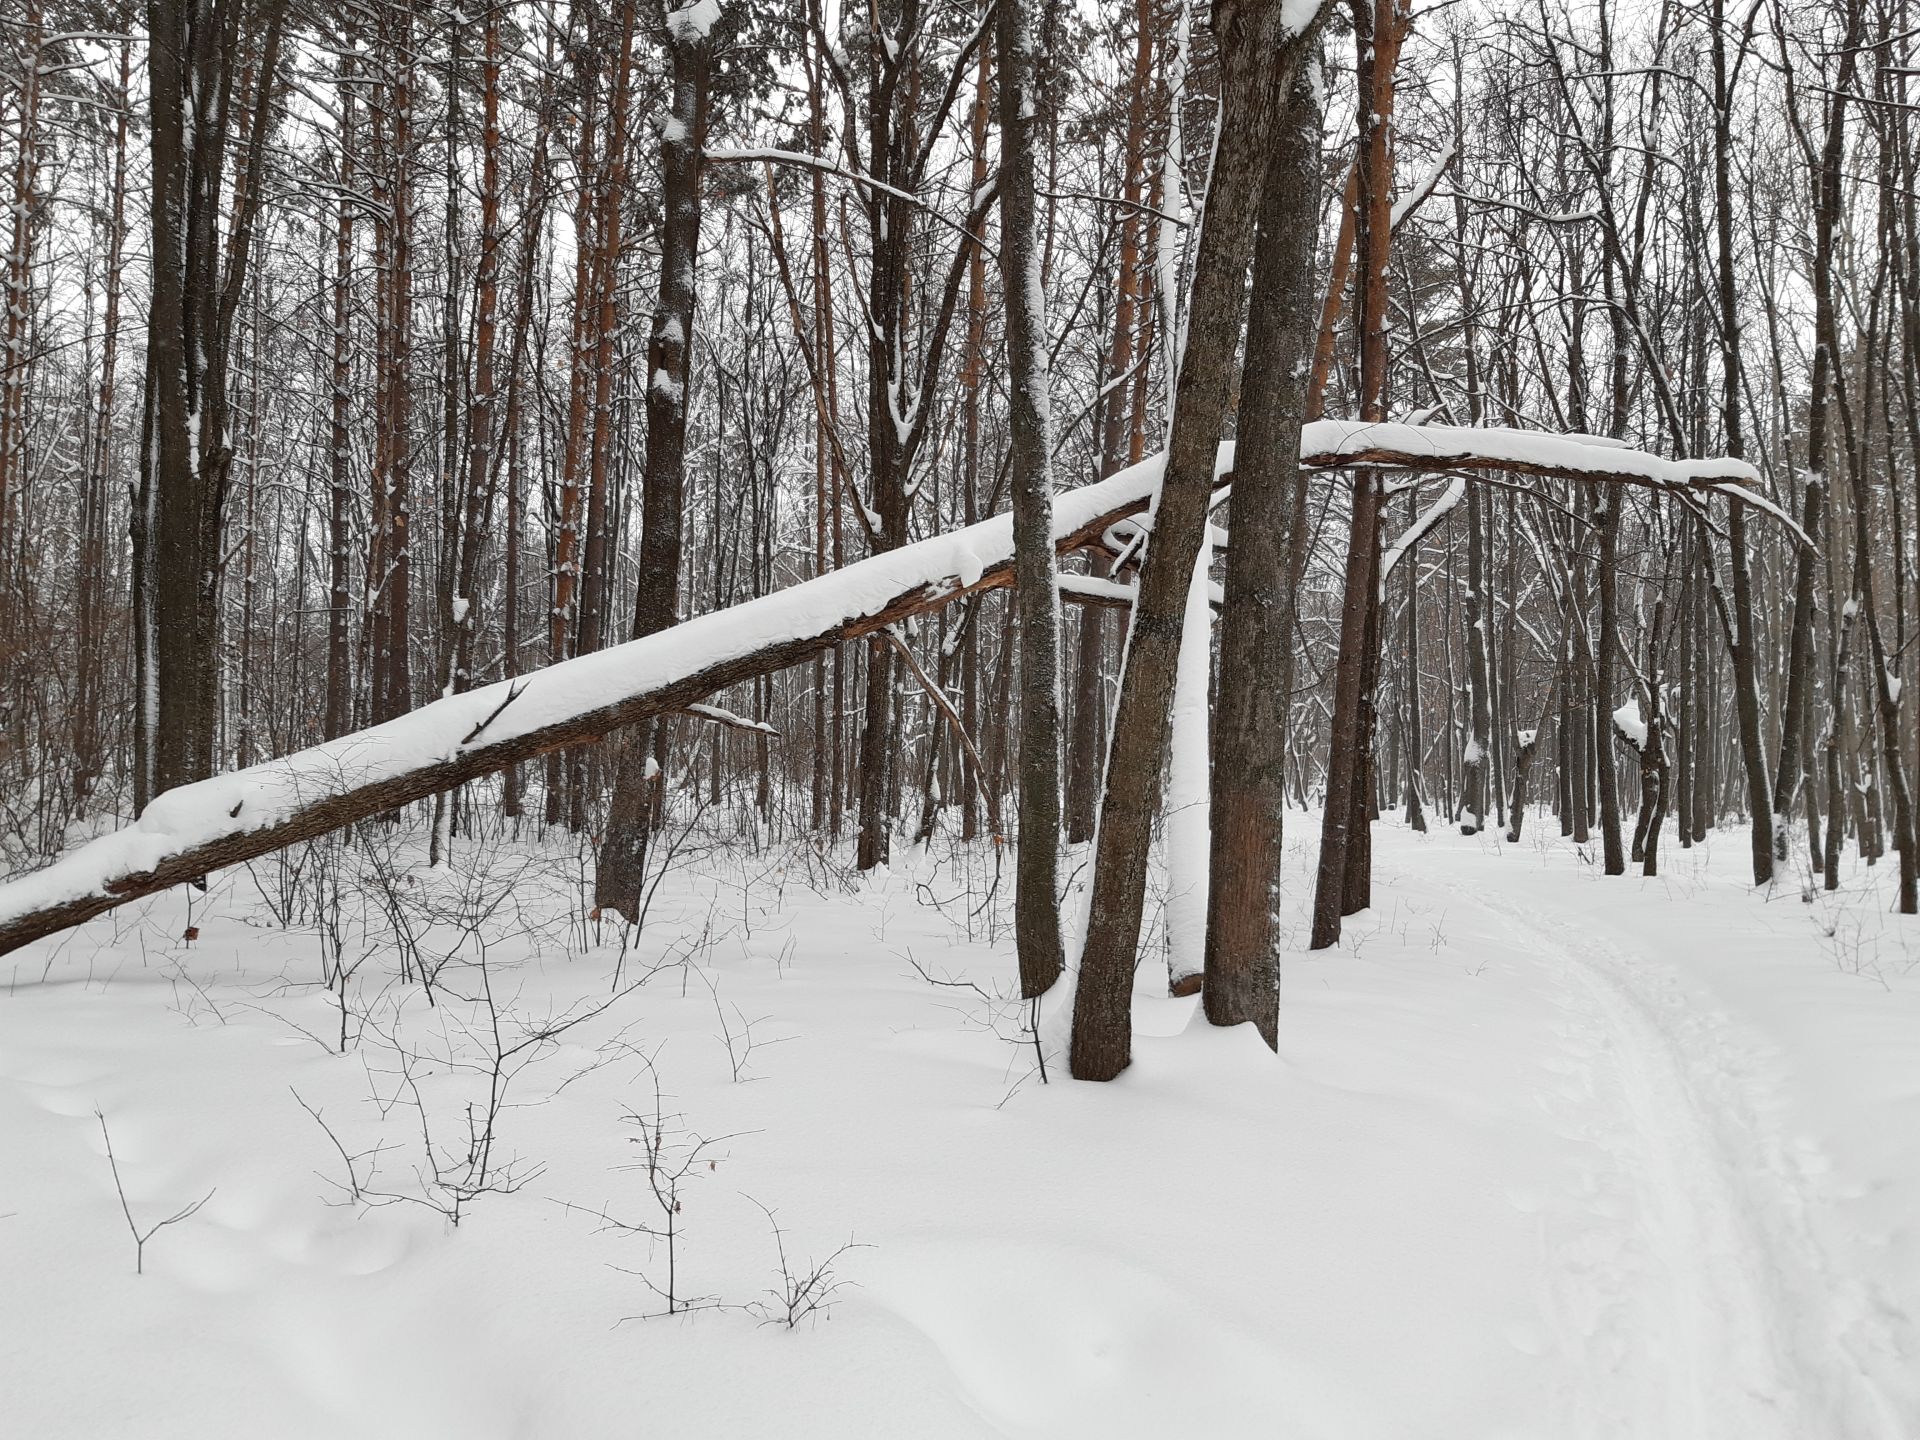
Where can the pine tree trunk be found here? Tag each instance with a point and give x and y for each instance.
(16, 367)
(1341, 884)
(340, 607)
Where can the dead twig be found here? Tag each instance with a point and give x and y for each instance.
(140, 1238)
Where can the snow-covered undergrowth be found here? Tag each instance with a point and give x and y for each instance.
(1543, 1154)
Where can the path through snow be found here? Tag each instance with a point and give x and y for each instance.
(1699, 1264)
(1543, 1156)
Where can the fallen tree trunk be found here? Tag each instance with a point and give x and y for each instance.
(194, 829)
(230, 818)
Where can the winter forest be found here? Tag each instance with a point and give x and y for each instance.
(636, 637)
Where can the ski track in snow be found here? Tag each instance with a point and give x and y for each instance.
(1558, 1183)
(1690, 1285)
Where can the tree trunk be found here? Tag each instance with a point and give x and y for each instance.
(621, 867)
(889, 216)
(1030, 431)
(1761, 798)
(1477, 755)
(1605, 516)
(194, 49)
(1345, 852)
(340, 607)
(16, 368)
(1794, 736)
(1085, 752)
(1242, 981)
(92, 584)
(390, 571)
(1410, 691)
(1259, 58)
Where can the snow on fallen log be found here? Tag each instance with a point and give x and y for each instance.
(194, 829)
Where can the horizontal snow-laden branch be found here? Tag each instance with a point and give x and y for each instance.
(194, 829)
(1114, 595)
(729, 719)
(1529, 452)
(1333, 443)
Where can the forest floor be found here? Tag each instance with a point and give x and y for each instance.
(1543, 1155)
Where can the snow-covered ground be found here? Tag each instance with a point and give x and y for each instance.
(1543, 1155)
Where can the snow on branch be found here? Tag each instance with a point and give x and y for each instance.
(1422, 527)
(693, 23)
(1560, 217)
(1632, 728)
(1416, 197)
(728, 155)
(1297, 16)
(1113, 595)
(1460, 447)
(727, 718)
(1334, 443)
(1096, 590)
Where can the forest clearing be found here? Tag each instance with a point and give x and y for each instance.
(959, 717)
